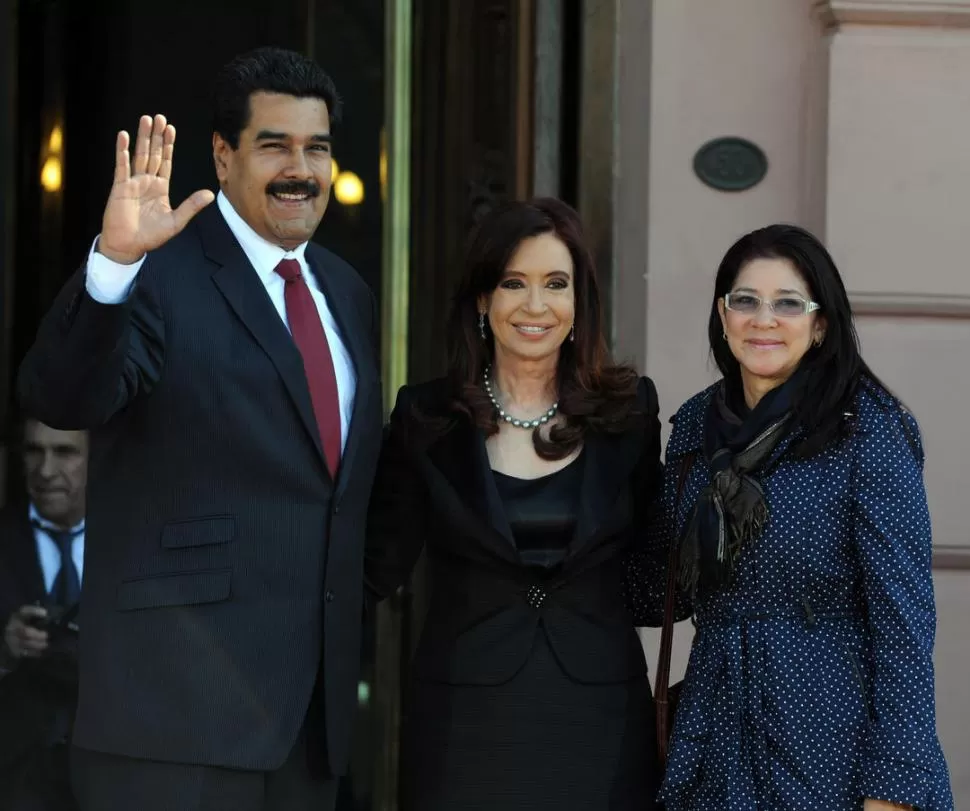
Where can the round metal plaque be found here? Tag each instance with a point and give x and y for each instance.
(730, 164)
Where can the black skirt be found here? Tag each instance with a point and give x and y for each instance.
(539, 741)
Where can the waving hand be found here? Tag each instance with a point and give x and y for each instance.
(138, 217)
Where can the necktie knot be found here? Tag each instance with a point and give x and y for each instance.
(63, 539)
(289, 269)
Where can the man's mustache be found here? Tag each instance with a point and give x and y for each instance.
(308, 187)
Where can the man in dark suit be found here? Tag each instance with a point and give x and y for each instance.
(41, 564)
(227, 370)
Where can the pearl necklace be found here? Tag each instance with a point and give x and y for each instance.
(528, 424)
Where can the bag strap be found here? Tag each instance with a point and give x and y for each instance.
(662, 685)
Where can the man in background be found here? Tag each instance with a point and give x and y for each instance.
(41, 564)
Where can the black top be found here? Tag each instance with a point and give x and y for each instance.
(542, 512)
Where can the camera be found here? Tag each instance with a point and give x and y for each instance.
(60, 621)
(59, 661)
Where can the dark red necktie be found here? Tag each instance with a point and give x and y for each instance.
(311, 340)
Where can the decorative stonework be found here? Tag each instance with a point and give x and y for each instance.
(951, 557)
(910, 305)
(937, 13)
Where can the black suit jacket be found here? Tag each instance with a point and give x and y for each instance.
(484, 609)
(223, 564)
(33, 694)
(21, 575)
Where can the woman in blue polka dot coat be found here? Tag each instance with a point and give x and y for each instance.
(805, 542)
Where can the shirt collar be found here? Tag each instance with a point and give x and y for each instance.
(262, 254)
(37, 519)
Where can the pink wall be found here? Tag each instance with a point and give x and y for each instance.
(863, 110)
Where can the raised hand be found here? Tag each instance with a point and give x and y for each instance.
(138, 217)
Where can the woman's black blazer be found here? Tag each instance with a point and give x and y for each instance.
(435, 491)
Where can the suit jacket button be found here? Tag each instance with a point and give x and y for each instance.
(329, 596)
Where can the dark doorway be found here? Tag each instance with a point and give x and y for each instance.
(472, 143)
(74, 73)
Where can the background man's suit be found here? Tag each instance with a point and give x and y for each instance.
(223, 564)
(37, 698)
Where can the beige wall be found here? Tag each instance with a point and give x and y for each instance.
(863, 110)
(741, 68)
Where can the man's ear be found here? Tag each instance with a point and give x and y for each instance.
(221, 156)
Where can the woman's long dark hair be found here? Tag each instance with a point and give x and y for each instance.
(594, 393)
(834, 370)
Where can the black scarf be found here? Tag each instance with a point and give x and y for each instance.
(731, 512)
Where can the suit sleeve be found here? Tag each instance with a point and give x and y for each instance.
(646, 566)
(648, 476)
(9, 592)
(891, 527)
(397, 517)
(90, 360)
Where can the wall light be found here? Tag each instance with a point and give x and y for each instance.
(56, 142)
(349, 189)
(50, 174)
(382, 166)
(334, 171)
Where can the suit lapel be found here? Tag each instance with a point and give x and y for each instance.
(461, 458)
(239, 283)
(605, 472)
(494, 508)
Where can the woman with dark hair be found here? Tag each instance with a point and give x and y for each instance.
(527, 475)
(804, 539)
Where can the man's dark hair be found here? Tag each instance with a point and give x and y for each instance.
(266, 70)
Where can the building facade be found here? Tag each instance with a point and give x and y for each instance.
(674, 126)
(860, 107)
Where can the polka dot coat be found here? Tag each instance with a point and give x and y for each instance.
(810, 681)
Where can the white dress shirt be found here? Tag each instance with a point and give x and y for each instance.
(47, 552)
(110, 283)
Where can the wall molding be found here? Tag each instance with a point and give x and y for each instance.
(910, 305)
(951, 557)
(933, 13)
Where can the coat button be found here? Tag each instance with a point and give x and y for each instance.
(330, 596)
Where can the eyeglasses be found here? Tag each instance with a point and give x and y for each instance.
(786, 306)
